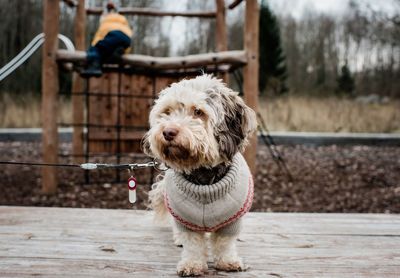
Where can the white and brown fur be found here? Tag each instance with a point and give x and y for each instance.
(196, 127)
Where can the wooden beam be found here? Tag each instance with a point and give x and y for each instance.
(78, 83)
(234, 4)
(51, 11)
(237, 57)
(154, 12)
(112, 136)
(250, 71)
(221, 37)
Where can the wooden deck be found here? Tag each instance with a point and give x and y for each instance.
(67, 242)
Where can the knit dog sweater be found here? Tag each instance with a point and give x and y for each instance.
(209, 208)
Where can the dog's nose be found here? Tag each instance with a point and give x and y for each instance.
(170, 133)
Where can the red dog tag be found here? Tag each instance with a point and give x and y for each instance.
(132, 189)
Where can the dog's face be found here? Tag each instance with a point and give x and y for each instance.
(198, 123)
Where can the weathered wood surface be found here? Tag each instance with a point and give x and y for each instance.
(221, 37)
(78, 85)
(51, 13)
(154, 12)
(234, 57)
(53, 242)
(130, 110)
(250, 72)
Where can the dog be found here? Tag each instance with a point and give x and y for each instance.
(199, 128)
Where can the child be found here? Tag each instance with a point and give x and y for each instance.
(112, 39)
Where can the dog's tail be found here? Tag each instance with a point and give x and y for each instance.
(156, 202)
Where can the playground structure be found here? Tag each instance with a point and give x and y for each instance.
(110, 113)
(27, 52)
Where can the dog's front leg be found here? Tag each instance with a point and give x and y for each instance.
(176, 233)
(194, 254)
(225, 254)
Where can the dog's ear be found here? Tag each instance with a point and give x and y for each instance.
(238, 123)
(145, 145)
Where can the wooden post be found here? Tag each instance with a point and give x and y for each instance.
(221, 37)
(250, 72)
(51, 13)
(78, 84)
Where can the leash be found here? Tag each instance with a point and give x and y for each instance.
(132, 183)
(93, 166)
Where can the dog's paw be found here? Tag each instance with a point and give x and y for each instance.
(191, 268)
(230, 265)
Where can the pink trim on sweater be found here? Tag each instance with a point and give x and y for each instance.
(243, 210)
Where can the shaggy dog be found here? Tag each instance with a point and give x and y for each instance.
(199, 128)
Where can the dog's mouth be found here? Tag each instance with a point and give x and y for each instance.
(174, 152)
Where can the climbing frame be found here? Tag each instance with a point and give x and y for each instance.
(110, 114)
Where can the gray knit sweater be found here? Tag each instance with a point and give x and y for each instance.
(210, 208)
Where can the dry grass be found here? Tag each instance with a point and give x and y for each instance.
(18, 111)
(283, 114)
(329, 115)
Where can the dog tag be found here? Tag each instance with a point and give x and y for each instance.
(132, 189)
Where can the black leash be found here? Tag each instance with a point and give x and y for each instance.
(92, 166)
(269, 142)
(40, 164)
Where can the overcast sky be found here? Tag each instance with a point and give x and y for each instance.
(336, 7)
(295, 8)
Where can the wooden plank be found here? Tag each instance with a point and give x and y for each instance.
(275, 241)
(233, 57)
(96, 85)
(112, 118)
(133, 111)
(250, 72)
(154, 12)
(139, 108)
(260, 223)
(164, 82)
(109, 115)
(13, 267)
(78, 84)
(51, 12)
(136, 110)
(69, 242)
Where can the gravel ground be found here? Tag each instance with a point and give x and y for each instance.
(326, 179)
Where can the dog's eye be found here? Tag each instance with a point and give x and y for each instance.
(197, 112)
(167, 111)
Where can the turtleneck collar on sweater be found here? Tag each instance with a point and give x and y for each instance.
(206, 175)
